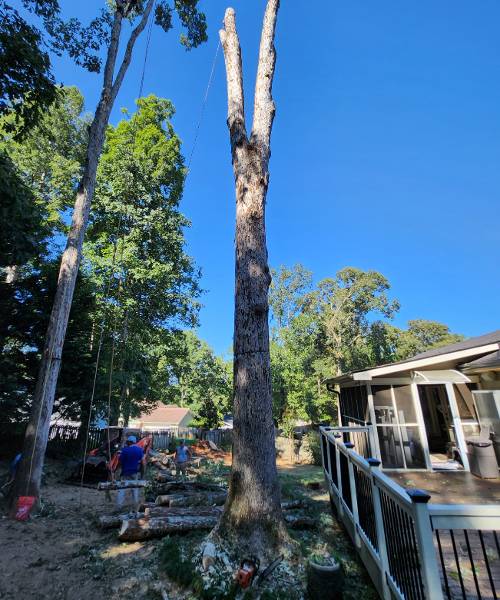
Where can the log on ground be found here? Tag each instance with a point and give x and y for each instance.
(192, 499)
(122, 484)
(290, 504)
(136, 530)
(115, 521)
(189, 511)
(299, 521)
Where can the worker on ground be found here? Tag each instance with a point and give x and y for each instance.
(131, 459)
(182, 457)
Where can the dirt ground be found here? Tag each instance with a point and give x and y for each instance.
(62, 555)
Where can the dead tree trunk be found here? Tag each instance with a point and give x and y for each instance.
(252, 515)
(29, 474)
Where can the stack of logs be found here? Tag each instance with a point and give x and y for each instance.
(179, 507)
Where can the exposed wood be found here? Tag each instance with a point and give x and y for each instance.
(253, 512)
(189, 486)
(178, 511)
(115, 521)
(197, 499)
(29, 472)
(209, 555)
(122, 484)
(136, 530)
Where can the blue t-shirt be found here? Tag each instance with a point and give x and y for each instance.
(182, 454)
(130, 459)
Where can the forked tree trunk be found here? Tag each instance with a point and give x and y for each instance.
(252, 514)
(29, 473)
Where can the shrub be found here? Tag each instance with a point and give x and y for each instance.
(314, 445)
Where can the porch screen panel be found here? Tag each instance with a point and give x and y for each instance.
(389, 436)
(353, 405)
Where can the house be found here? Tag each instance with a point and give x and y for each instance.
(164, 416)
(420, 411)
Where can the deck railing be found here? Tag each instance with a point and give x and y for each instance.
(412, 549)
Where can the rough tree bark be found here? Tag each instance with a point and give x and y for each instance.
(29, 473)
(252, 516)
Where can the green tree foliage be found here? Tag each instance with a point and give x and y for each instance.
(26, 81)
(136, 232)
(339, 325)
(49, 158)
(197, 379)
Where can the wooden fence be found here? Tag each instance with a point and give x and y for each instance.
(412, 550)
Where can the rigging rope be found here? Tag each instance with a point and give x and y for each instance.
(203, 106)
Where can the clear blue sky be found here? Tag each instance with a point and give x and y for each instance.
(386, 148)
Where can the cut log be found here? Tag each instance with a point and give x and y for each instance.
(136, 530)
(299, 521)
(211, 499)
(115, 521)
(209, 555)
(187, 487)
(213, 446)
(122, 484)
(186, 511)
(292, 504)
(164, 476)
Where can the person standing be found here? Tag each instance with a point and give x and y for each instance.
(182, 457)
(131, 459)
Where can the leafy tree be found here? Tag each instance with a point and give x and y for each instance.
(197, 379)
(26, 81)
(136, 234)
(28, 476)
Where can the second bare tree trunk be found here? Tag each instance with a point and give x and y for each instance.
(29, 473)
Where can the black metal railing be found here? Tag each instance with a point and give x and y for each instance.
(366, 513)
(344, 476)
(402, 549)
(470, 563)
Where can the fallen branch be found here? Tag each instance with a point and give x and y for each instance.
(122, 484)
(135, 530)
(193, 499)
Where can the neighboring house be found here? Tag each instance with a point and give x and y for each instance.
(421, 410)
(164, 416)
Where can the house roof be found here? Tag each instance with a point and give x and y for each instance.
(489, 361)
(165, 413)
(469, 348)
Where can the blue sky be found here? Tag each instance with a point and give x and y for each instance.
(385, 149)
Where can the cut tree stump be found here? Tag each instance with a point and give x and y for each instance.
(122, 484)
(136, 530)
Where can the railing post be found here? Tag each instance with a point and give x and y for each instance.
(339, 474)
(354, 497)
(379, 523)
(425, 543)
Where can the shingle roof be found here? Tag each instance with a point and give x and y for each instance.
(489, 361)
(165, 413)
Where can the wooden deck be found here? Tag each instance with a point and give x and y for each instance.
(450, 487)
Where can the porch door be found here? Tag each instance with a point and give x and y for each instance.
(397, 427)
(439, 426)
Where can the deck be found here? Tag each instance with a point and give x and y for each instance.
(450, 487)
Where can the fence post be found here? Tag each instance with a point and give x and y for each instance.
(354, 497)
(425, 543)
(339, 474)
(379, 524)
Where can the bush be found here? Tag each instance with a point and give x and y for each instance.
(314, 445)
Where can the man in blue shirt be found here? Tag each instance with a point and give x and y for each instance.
(182, 458)
(131, 459)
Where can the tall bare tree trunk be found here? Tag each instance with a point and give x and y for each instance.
(252, 514)
(29, 473)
